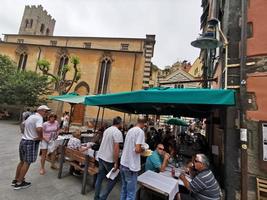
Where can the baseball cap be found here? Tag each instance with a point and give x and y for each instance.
(43, 107)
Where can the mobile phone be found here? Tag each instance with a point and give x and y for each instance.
(176, 177)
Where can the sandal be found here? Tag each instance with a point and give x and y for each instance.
(42, 171)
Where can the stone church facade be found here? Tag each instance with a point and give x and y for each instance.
(107, 65)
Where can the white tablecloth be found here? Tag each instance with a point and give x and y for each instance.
(159, 183)
(178, 171)
(60, 139)
(91, 153)
(90, 135)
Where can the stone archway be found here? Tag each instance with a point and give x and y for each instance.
(77, 117)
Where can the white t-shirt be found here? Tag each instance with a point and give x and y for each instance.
(110, 136)
(33, 122)
(129, 157)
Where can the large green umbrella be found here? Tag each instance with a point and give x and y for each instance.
(194, 102)
(72, 98)
(177, 121)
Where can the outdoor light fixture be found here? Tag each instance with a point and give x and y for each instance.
(205, 42)
(208, 39)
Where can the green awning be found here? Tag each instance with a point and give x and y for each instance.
(72, 98)
(165, 101)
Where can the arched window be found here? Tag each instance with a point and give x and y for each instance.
(31, 22)
(42, 28)
(62, 62)
(26, 23)
(105, 66)
(47, 31)
(22, 61)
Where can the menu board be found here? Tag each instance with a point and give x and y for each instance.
(264, 141)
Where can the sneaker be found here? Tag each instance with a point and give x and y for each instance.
(23, 185)
(13, 183)
(76, 173)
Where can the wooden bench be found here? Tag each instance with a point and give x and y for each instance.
(73, 157)
(261, 189)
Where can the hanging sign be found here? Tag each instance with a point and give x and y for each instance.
(264, 141)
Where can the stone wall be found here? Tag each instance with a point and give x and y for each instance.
(35, 17)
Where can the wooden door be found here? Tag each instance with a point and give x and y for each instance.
(78, 114)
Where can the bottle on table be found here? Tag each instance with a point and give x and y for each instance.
(173, 172)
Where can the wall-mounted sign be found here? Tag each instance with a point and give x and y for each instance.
(264, 140)
(215, 149)
(243, 135)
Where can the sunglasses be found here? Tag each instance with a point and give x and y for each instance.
(196, 161)
(160, 148)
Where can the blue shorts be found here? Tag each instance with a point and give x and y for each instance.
(28, 150)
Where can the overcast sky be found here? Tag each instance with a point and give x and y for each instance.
(174, 22)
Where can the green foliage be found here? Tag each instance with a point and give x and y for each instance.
(60, 82)
(65, 69)
(7, 67)
(21, 87)
(75, 60)
(43, 62)
(6, 61)
(43, 65)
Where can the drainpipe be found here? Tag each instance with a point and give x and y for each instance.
(226, 67)
(226, 56)
(102, 117)
(133, 75)
(39, 55)
(213, 13)
(243, 130)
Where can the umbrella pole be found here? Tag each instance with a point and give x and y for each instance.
(71, 112)
(97, 118)
(123, 121)
(103, 111)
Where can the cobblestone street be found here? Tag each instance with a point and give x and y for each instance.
(43, 187)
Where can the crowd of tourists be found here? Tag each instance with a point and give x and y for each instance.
(118, 149)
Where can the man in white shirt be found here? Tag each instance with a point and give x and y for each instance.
(130, 160)
(26, 114)
(108, 156)
(28, 148)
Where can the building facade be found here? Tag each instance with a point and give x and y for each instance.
(177, 76)
(256, 93)
(196, 69)
(240, 65)
(107, 65)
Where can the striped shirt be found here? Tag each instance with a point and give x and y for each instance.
(205, 187)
